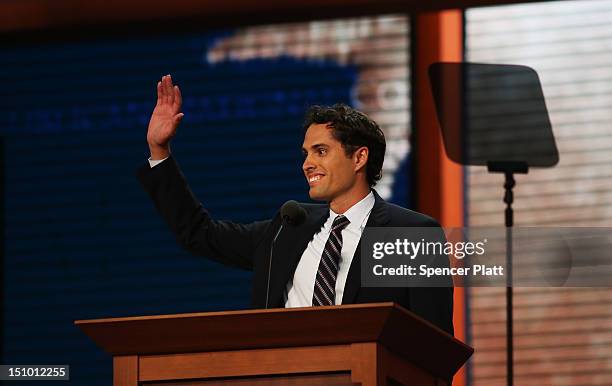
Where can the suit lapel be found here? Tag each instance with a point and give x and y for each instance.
(289, 249)
(378, 218)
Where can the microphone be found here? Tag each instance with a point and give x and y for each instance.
(293, 214)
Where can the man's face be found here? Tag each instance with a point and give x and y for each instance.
(329, 171)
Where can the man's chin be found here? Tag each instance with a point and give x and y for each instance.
(316, 196)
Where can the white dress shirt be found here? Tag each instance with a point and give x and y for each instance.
(153, 163)
(300, 288)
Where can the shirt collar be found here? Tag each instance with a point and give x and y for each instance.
(357, 213)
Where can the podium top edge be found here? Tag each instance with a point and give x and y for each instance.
(389, 324)
(389, 305)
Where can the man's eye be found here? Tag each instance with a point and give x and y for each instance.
(322, 151)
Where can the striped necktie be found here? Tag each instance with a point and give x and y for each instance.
(325, 283)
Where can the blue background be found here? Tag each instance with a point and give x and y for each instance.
(82, 239)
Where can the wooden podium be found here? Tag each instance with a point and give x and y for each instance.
(361, 344)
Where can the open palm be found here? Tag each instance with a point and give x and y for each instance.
(167, 114)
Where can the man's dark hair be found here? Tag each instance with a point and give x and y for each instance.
(353, 129)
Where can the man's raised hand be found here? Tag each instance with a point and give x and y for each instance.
(165, 118)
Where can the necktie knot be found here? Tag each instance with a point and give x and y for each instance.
(340, 223)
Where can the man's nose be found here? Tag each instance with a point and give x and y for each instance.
(307, 165)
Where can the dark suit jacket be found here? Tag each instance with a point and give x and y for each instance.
(247, 246)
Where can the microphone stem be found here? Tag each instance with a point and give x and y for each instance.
(270, 263)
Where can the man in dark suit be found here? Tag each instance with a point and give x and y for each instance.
(317, 262)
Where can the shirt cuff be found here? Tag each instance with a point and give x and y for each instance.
(153, 163)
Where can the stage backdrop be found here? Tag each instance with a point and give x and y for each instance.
(563, 336)
(82, 238)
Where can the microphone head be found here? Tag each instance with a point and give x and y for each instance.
(293, 213)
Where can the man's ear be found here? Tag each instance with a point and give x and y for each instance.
(360, 157)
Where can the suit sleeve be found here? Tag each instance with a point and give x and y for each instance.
(224, 241)
(434, 302)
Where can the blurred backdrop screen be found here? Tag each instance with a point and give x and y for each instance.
(82, 239)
